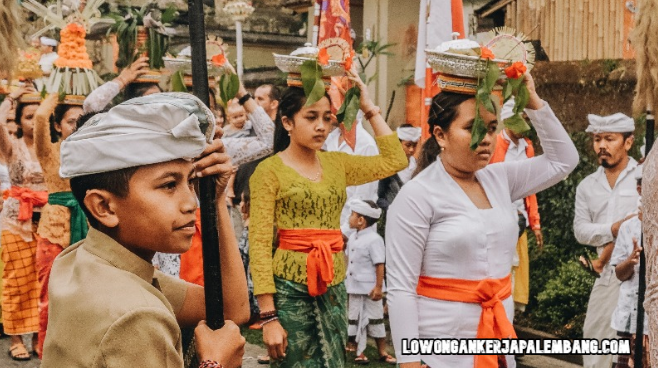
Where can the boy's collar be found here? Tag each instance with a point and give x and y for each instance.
(106, 248)
(369, 229)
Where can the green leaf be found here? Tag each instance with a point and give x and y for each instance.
(521, 100)
(178, 82)
(507, 92)
(479, 130)
(169, 15)
(350, 107)
(312, 81)
(517, 124)
(233, 86)
(317, 93)
(493, 73)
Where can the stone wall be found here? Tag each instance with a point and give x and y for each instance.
(577, 88)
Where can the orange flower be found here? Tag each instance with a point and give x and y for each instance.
(323, 57)
(485, 53)
(349, 60)
(76, 28)
(515, 70)
(218, 59)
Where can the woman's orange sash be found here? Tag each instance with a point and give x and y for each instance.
(28, 200)
(489, 293)
(319, 244)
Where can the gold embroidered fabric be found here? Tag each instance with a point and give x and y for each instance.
(55, 223)
(282, 198)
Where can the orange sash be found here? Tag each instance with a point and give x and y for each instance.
(28, 200)
(489, 293)
(319, 244)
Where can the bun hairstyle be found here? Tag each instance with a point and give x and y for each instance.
(292, 101)
(443, 112)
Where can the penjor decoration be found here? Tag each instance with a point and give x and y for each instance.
(73, 74)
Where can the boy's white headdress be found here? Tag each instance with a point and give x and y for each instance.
(141, 131)
(364, 209)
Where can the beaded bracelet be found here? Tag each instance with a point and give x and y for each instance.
(268, 314)
(263, 323)
(210, 364)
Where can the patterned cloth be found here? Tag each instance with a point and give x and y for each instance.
(46, 254)
(243, 245)
(167, 263)
(20, 293)
(316, 326)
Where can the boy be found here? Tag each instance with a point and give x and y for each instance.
(365, 281)
(626, 259)
(131, 170)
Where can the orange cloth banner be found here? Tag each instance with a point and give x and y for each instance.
(319, 244)
(489, 293)
(28, 200)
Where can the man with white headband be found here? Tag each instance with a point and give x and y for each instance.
(388, 188)
(365, 281)
(604, 200)
(132, 171)
(511, 146)
(364, 145)
(47, 59)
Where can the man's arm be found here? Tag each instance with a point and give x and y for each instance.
(586, 231)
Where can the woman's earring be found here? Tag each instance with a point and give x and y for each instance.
(288, 133)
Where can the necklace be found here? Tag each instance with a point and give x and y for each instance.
(314, 178)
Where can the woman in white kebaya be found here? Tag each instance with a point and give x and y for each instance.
(451, 232)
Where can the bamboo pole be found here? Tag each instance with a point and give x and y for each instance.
(207, 189)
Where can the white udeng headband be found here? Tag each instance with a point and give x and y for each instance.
(616, 123)
(409, 134)
(364, 209)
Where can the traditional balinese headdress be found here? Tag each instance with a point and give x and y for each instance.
(464, 66)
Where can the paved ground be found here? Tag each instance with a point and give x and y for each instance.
(253, 351)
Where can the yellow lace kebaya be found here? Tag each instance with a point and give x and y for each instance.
(282, 198)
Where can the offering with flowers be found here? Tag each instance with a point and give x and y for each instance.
(464, 66)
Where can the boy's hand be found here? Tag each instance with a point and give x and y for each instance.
(376, 293)
(276, 340)
(225, 346)
(215, 161)
(634, 258)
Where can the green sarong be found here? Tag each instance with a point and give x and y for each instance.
(316, 326)
(79, 225)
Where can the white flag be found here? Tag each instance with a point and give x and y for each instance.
(434, 27)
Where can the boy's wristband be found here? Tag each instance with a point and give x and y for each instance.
(210, 364)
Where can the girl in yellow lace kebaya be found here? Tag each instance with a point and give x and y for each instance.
(301, 192)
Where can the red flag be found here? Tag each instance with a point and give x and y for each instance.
(334, 35)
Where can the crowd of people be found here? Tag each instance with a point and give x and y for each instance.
(101, 226)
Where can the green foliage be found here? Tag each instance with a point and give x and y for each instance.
(366, 52)
(312, 81)
(564, 297)
(178, 82)
(229, 84)
(348, 110)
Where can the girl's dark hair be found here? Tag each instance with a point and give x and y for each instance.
(19, 115)
(442, 113)
(133, 90)
(292, 101)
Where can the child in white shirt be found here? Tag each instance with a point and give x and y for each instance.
(365, 281)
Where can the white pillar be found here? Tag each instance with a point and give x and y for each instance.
(238, 45)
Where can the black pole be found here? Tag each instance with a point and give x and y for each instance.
(212, 276)
(639, 333)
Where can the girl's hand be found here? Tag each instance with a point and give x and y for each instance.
(365, 102)
(535, 102)
(276, 339)
(135, 70)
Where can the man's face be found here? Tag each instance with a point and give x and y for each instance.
(611, 148)
(236, 116)
(262, 97)
(158, 214)
(409, 148)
